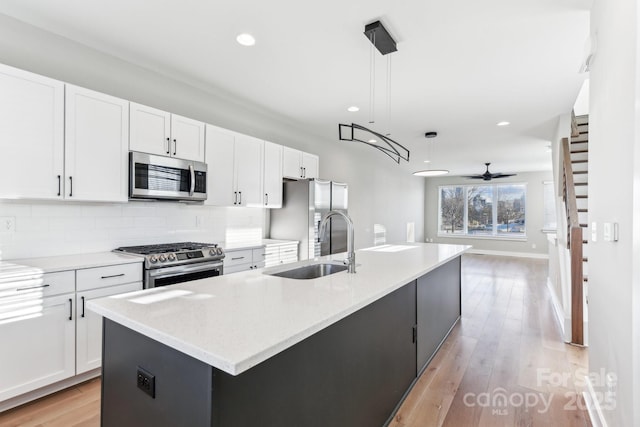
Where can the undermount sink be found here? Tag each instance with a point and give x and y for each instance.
(312, 271)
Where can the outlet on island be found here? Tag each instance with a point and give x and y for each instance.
(146, 382)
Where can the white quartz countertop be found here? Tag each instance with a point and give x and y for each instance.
(69, 262)
(235, 322)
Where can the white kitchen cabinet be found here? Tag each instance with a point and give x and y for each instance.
(38, 342)
(158, 132)
(237, 260)
(297, 164)
(280, 253)
(93, 283)
(31, 135)
(96, 146)
(235, 168)
(89, 325)
(272, 180)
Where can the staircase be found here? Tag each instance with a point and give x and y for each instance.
(575, 174)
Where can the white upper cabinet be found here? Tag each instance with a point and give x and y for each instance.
(187, 137)
(96, 141)
(235, 168)
(272, 175)
(150, 130)
(159, 132)
(31, 135)
(297, 164)
(248, 159)
(310, 165)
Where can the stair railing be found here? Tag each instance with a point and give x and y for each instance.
(574, 244)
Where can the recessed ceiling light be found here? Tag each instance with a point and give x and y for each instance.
(353, 109)
(372, 141)
(427, 161)
(431, 172)
(246, 39)
(503, 124)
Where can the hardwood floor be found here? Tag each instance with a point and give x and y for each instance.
(504, 364)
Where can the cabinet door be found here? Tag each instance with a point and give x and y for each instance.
(89, 326)
(219, 159)
(310, 165)
(31, 135)
(272, 175)
(38, 343)
(150, 130)
(248, 170)
(291, 163)
(187, 138)
(96, 146)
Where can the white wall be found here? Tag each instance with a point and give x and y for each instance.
(379, 191)
(614, 197)
(534, 216)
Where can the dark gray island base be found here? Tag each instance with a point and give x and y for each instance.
(355, 372)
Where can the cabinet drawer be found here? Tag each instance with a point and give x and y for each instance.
(92, 278)
(259, 255)
(232, 258)
(44, 284)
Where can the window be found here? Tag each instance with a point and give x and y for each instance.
(491, 210)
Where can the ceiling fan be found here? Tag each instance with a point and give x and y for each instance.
(488, 176)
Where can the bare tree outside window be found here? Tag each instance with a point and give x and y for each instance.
(452, 210)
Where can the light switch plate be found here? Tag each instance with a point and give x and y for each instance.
(607, 232)
(594, 231)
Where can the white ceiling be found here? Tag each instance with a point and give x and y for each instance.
(461, 65)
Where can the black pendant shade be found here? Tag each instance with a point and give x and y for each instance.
(388, 146)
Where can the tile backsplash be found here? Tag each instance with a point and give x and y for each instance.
(50, 228)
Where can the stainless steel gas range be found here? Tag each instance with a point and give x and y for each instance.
(172, 263)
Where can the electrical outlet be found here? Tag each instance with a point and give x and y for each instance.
(146, 382)
(533, 246)
(7, 224)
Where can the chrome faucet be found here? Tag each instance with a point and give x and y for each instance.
(351, 253)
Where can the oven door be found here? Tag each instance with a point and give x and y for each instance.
(182, 273)
(157, 177)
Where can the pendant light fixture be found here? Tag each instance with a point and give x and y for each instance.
(430, 172)
(384, 43)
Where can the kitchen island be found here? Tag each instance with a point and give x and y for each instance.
(255, 349)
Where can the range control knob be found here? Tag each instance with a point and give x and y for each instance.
(171, 257)
(219, 251)
(153, 259)
(212, 251)
(162, 258)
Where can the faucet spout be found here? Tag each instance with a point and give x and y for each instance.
(351, 253)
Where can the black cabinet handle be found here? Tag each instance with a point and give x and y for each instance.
(240, 194)
(235, 197)
(175, 146)
(59, 184)
(168, 145)
(236, 258)
(113, 275)
(82, 298)
(266, 199)
(70, 186)
(28, 288)
(70, 309)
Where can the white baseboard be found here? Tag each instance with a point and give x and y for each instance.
(593, 406)
(46, 390)
(509, 253)
(563, 322)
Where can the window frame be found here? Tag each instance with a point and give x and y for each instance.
(494, 214)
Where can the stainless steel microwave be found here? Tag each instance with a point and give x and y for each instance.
(159, 177)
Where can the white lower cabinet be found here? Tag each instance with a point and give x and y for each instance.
(243, 259)
(38, 342)
(89, 326)
(46, 333)
(280, 253)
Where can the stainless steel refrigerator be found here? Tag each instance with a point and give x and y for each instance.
(304, 204)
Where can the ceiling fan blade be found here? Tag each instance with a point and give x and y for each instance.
(473, 176)
(502, 175)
